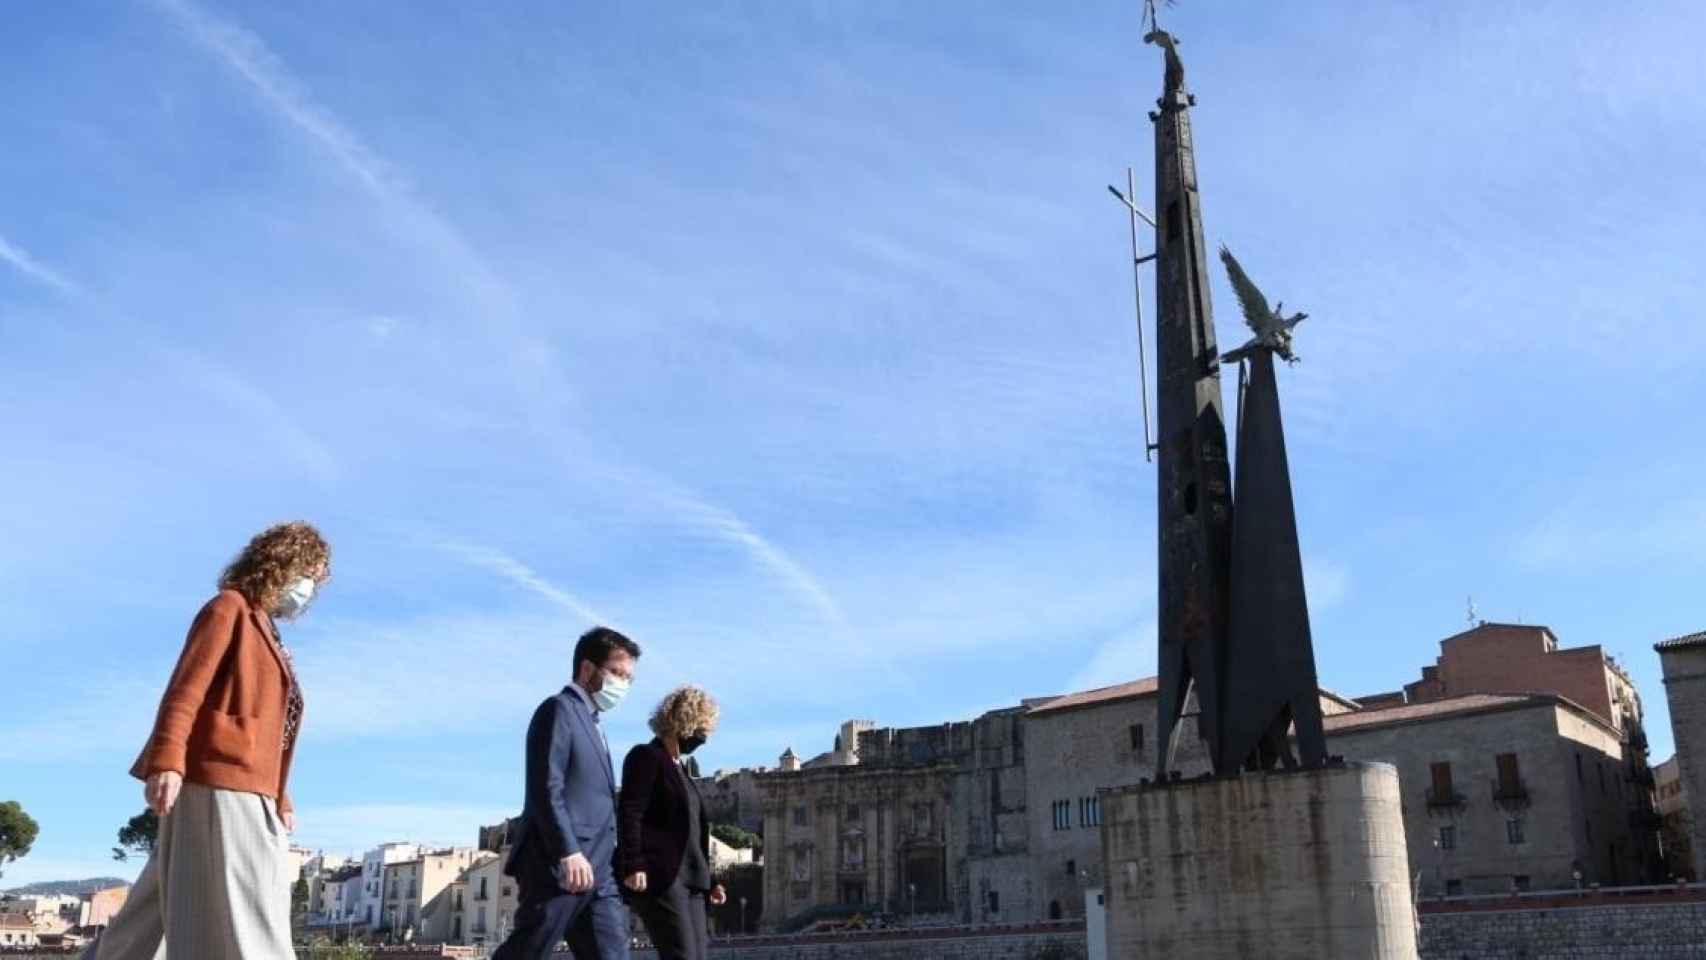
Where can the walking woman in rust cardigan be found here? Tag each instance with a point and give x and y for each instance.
(663, 846)
(215, 766)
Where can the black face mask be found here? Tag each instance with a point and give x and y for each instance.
(692, 743)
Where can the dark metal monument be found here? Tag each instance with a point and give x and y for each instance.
(1233, 631)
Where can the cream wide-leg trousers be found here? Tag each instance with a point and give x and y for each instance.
(216, 888)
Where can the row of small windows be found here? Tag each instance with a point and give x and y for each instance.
(1089, 813)
(1515, 833)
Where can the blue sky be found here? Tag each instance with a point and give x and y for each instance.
(796, 340)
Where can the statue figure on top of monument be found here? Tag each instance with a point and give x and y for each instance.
(1271, 326)
(1174, 79)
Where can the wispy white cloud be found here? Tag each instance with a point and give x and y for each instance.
(731, 529)
(1122, 658)
(245, 53)
(513, 570)
(249, 57)
(281, 429)
(29, 266)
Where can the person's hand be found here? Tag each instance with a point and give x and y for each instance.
(289, 821)
(577, 873)
(719, 896)
(160, 790)
(636, 881)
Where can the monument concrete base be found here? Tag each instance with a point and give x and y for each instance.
(1304, 864)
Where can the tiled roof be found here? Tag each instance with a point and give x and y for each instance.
(1679, 643)
(1432, 709)
(16, 921)
(1100, 695)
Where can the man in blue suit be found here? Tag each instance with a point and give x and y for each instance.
(566, 837)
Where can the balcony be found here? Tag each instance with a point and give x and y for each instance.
(1451, 800)
(1510, 796)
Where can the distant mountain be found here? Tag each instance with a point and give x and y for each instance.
(74, 888)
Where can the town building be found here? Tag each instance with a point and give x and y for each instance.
(996, 819)
(489, 901)
(18, 930)
(412, 885)
(732, 797)
(98, 907)
(1676, 823)
(369, 903)
(1683, 662)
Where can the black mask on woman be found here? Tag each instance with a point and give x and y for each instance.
(692, 742)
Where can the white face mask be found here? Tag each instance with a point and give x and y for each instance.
(611, 693)
(295, 598)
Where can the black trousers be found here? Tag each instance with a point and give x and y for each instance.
(675, 920)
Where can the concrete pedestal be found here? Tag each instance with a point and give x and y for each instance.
(1308, 864)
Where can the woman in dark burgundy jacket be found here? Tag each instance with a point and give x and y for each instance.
(663, 847)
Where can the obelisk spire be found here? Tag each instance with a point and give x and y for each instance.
(1194, 483)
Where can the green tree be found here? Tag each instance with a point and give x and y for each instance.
(17, 832)
(299, 904)
(734, 836)
(137, 836)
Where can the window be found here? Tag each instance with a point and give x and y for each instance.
(1453, 888)
(482, 894)
(1510, 777)
(1442, 781)
(921, 818)
(1072, 868)
(994, 901)
(800, 815)
(1062, 814)
(1448, 838)
(1137, 737)
(1579, 778)
(1601, 766)
(853, 812)
(1520, 882)
(1590, 830)
(1513, 830)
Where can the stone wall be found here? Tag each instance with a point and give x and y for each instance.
(1685, 687)
(1067, 944)
(1297, 865)
(1668, 928)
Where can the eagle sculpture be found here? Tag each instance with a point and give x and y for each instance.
(1272, 328)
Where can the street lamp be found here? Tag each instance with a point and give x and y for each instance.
(912, 904)
(743, 916)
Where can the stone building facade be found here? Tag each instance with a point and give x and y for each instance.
(917, 821)
(1511, 658)
(1507, 781)
(1683, 661)
(732, 796)
(1075, 746)
(1676, 824)
(1506, 791)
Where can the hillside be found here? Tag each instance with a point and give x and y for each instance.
(68, 887)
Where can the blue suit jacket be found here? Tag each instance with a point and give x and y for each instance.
(570, 805)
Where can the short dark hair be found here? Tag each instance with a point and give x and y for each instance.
(599, 643)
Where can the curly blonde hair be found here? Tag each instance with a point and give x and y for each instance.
(683, 712)
(276, 556)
